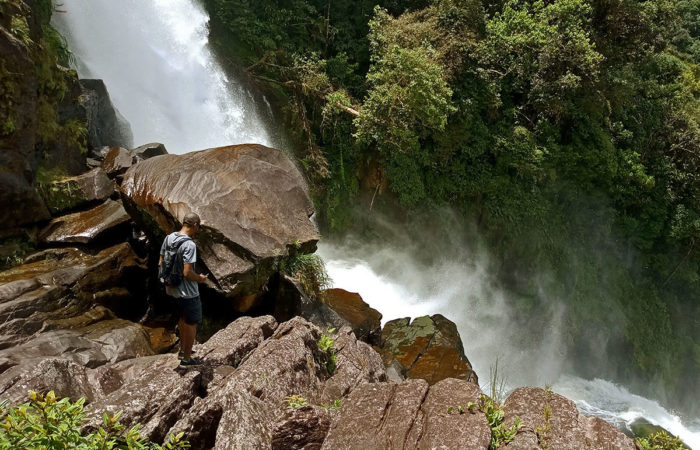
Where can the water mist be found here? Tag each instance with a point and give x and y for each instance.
(160, 73)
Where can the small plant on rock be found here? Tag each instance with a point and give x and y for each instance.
(295, 401)
(309, 269)
(500, 435)
(328, 355)
(51, 423)
(335, 406)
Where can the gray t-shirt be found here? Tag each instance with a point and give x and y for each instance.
(188, 250)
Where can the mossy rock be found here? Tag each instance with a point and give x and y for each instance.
(69, 193)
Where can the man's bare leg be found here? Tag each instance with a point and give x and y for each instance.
(187, 334)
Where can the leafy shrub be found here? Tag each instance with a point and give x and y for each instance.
(46, 422)
(661, 441)
(308, 269)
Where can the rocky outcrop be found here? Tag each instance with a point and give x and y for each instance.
(106, 126)
(428, 348)
(410, 415)
(364, 320)
(550, 420)
(252, 200)
(240, 397)
(85, 226)
(70, 193)
(47, 307)
(117, 161)
(48, 119)
(148, 151)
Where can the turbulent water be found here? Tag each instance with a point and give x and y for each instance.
(460, 288)
(154, 58)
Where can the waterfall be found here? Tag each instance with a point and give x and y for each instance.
(160, 73)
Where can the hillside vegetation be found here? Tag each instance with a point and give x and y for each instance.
(568, 130)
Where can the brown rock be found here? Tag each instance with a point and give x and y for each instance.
(161, 339)
(441, 425)
(70, 193)
(86, 226)
(66, 378)
(356, 363)
(117, 161)
(230, 345)
(156, 399)
(149, 151)
(550, 420)
(377, 416)
(302, 428)
(429, 348)
(409, 415)
(364, 320)
(253, 202)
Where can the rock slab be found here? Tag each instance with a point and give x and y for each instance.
(86, 226)
(253, 202)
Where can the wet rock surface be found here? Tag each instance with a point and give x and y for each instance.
(364, 320)
(253, 202)
(66, 194)
(85, 226)
(428, 348)
(117, 161)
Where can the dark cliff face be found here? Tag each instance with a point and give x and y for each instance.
(48, 118)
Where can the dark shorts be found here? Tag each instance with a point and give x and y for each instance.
(190, 310)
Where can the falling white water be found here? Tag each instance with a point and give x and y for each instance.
(161, 75)
(460, 288)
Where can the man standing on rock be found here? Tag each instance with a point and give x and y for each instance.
(187, 291)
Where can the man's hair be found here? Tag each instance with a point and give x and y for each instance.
(191, 219)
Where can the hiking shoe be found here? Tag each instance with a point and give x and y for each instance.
(191, 362)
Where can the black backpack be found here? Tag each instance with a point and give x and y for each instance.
(170, 271)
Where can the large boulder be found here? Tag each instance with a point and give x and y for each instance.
(549, 420)
(85, 226)
(253, 202)
(106, 126)
(429, 348)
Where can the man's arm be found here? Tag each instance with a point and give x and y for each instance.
(191, 275)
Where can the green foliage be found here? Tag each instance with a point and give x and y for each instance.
(20, 28)
(328, 353)
(295, 401)
(568, 130)
(500, 435)
(48, 422)
(335, 406)
(309, 269)
(661, 441)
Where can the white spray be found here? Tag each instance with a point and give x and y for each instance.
(155, 60)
